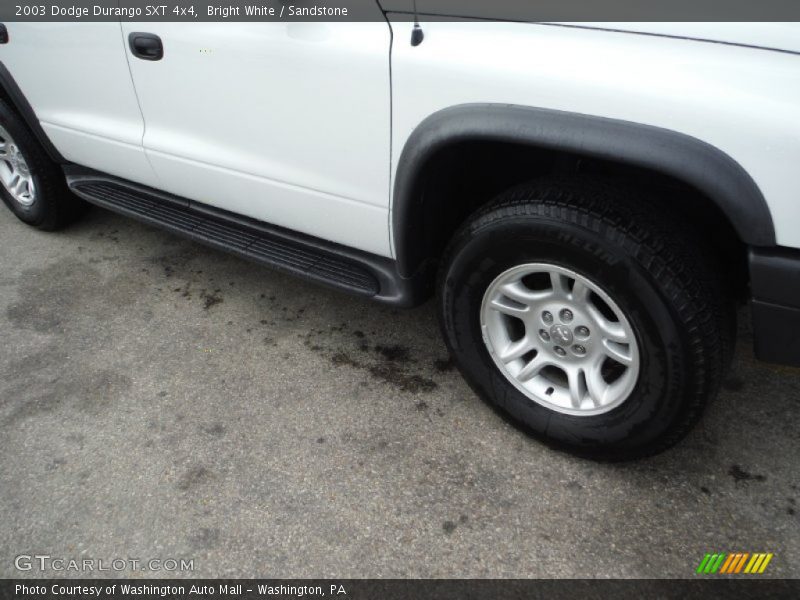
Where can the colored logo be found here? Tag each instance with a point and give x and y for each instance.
(734, 562)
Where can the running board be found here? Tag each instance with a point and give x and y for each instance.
(343, 268)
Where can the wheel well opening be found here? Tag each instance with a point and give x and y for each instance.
(4, 96)
(462, 177)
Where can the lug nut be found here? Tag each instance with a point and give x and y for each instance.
(547, 317)
(582, 331)
(579, 350)
(544, 335)
(560, 351)
(566, 315)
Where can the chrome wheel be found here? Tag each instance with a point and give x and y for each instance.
(560, 339)
(15, 175)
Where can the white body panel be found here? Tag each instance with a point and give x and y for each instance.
(286, 123)
(780, 36)
(746, 102)
(76, 78)
(293, 124)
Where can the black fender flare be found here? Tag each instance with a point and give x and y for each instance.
(25, 111)
(688, 159)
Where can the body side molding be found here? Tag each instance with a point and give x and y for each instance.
(23, 107)
(683, 157)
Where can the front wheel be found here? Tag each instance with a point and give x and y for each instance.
(595, 324)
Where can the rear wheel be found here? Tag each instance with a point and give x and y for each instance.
(31, 184)
(594, 323)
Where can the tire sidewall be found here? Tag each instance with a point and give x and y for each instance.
(487, 251)
(36, 212)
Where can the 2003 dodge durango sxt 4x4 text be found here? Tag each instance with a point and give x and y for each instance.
(587, 202)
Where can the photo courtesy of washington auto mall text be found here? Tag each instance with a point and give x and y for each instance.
(233, 590)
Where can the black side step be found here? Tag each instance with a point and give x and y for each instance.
(350, 270)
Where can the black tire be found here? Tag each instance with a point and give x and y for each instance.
(645, 259)
(54, 205)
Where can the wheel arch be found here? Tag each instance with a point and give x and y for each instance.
(697, 164)
(12, 94)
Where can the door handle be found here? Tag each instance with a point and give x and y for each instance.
(3, 34)
(146, 46)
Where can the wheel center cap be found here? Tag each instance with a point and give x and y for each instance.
(561, 334)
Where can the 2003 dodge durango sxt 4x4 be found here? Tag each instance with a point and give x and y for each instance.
(587, 202)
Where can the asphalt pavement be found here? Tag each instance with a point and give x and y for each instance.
(162, 400)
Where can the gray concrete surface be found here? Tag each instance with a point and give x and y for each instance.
(159, 399)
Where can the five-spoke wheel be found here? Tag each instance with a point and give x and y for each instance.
(587, 314)
(15, 175)
(32, 184)
(560, 339)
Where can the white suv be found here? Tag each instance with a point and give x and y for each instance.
(588, 202)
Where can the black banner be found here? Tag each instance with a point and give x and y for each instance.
(393, 589)
(374, 10)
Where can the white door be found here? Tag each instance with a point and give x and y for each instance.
(75, 77)
(288, 123)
